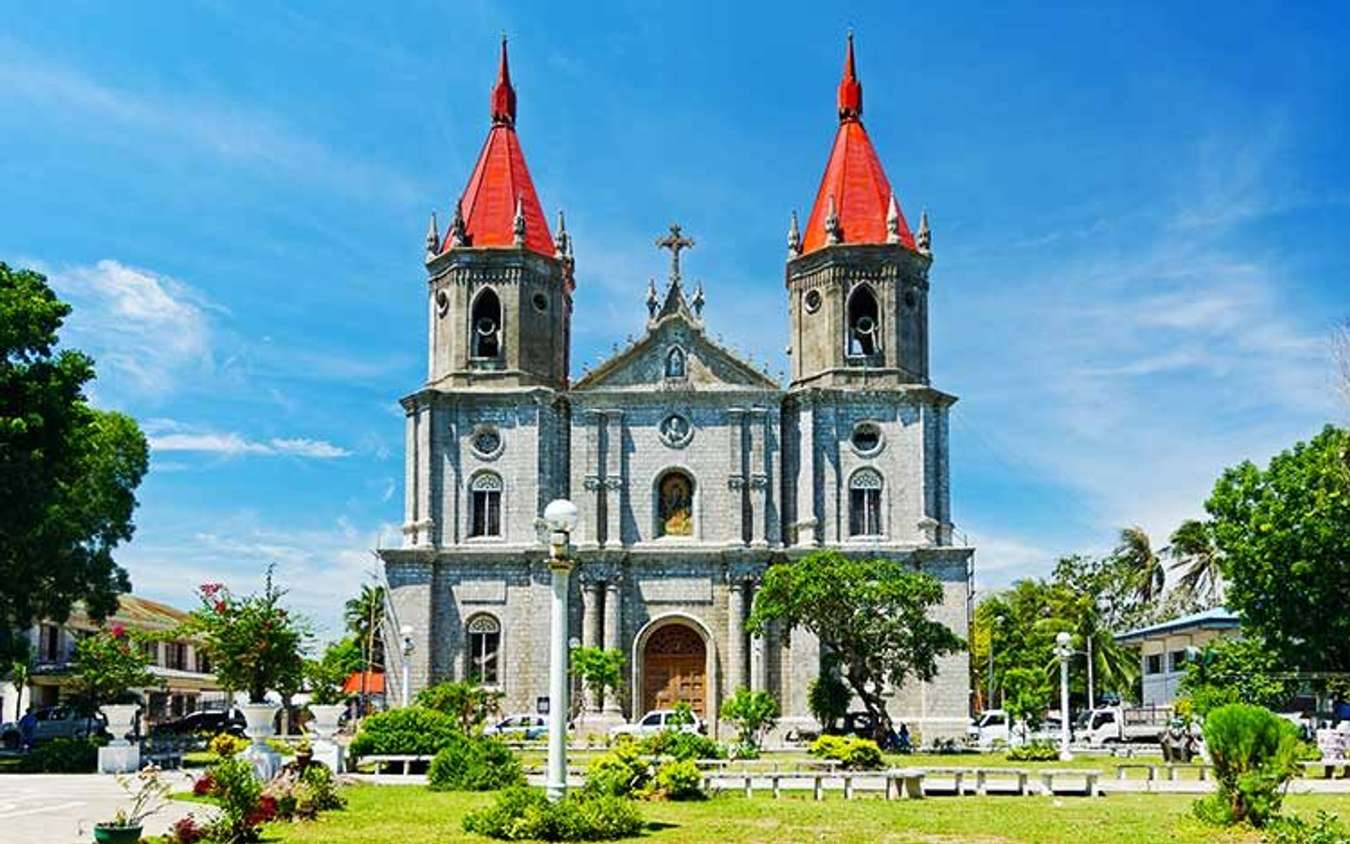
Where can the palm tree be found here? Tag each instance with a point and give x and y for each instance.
(364, 616)
(1193, 548)
(1136, 550)
(18, 673)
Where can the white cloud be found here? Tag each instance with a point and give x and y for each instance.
(146, 331)
(233, 444)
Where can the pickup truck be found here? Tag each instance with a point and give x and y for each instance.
(994, 726)
(1119, 724)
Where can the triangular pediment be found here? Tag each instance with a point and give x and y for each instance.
(674, 340)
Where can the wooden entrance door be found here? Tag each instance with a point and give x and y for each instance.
(674, 669)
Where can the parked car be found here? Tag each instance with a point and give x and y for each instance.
(657, 721)
(1112, 724)
(56, 722)
(994, 726)
(519, 727)
(206, 721)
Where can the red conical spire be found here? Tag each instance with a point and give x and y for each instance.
(850, 89)
(854, 202)
(503, 95)
(500, 200)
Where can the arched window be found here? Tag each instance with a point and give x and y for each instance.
(675, 363)
(864, 323)
(485, 505)
(864, 503)
(485, 642)
(675, 505)
(485, 326)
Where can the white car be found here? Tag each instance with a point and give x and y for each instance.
(519, 727)
(658, 720)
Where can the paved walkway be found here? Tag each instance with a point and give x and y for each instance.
(63, 808)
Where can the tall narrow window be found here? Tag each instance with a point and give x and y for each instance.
(49, 643)
(675, 505)
(485, 640)
(864, 324)
(485, 505)
(675, 363)
(864, 499)
(485, 324)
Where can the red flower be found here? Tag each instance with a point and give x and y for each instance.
(210, 589)
(220, 606)
(204, 785)
(266, 811)
(118, 631)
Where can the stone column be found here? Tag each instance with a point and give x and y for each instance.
(735, 518)
(759, 659)
(424, 521)
(735, 635)
(591, 478)
(592, 592)
(613, 478)
(613, 602)
(410, 478)
(759, 477)
(807, 518)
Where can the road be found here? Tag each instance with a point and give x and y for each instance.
(63, 808)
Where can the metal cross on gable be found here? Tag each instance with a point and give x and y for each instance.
(675, 242)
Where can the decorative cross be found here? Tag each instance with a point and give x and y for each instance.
(675, 242)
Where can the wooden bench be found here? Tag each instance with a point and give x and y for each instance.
(1090, 787)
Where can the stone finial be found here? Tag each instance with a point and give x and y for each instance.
(893, 221)
(698, 300)
(653, 300)
(794, 237)
(833, 233)
(433, 238)
(924, 239)
(563, 250)
(457, 235)
(518, 225)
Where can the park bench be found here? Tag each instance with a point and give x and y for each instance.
(1090, 778)
(380, 760)
(1169, 770)
(1328, 767)
(984, 775)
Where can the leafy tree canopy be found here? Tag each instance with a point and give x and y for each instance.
(872, 614)
(1236, 670)
(111, 662)
(255, 644)
(68, 472)
(1283, 538)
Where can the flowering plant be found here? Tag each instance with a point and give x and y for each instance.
(254, 642)
(111, 662)
(148, 794)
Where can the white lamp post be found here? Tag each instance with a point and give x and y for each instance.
(406, 632)
(561, 517)
(1064, 650)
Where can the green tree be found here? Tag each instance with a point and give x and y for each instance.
(364, 616)
(1236, 670)
(753, 714)
(600, 671)
(1135, 550)
(255, 644)
(871, 613)
(827, 696)
(1193, 550)
(68, 472)
(19, 670)
(1026, 692)
(468, 703)
(1283, 539)
(325, 676)
(108, 664)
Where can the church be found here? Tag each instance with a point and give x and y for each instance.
(693, 470)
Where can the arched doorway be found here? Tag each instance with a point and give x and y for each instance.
(675, 661)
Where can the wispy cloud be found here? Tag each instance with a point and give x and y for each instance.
(145, 330)
(233, 445)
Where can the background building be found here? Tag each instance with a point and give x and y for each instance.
(1162, 649)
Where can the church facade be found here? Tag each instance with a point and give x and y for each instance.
(693, 470)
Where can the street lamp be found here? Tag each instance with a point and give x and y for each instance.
(996, 623)
(561, 517)
(1064, 650)
(406, 632)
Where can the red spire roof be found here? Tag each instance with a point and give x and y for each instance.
(855, 185)
(500, 181)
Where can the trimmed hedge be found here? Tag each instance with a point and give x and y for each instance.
(526, 814)
(62, 756)
(411, 730)
(474, 763)
(854, 753)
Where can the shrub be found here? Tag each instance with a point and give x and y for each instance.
(204, 785)
(185, 831)
(62, 756)
(682, 745)
(410, 730)
(523, 813)
(474, 763)
(622, 772)
(828, 699)
(301, 793)
(753, 714)
(1254, 753)
(239, 796)
(1325, 828)
(854, 753)
(468, 703)
(676, 780)
(225, 745)
(1034, 751)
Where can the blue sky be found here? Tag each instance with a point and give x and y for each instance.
(1139, 218)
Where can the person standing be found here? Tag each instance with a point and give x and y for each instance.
(28, 730)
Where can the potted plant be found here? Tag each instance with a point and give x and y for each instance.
(107, 666)
(325, 678)
(255, 645)
(148, 793)
(304, 753)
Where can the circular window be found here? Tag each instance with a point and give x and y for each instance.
(866, 438)
(540, 302)
(910, 299)
(812, 301)
(487, 443)
(675, 430)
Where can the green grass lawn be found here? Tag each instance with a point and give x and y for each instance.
(414, 815)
